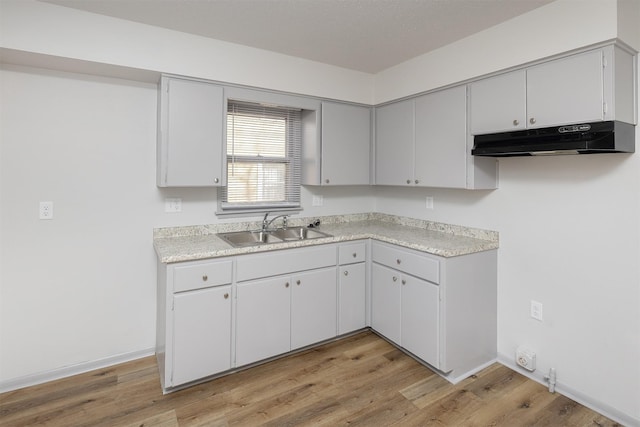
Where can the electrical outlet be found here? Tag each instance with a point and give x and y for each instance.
(173, 205)
(317, 201)
(536, 310)
(429, 203)
(46, 210)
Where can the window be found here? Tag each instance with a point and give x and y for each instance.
(263, 158)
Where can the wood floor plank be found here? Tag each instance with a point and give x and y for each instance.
(359, 380)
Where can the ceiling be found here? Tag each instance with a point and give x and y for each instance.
(363, 35)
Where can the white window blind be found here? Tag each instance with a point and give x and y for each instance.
(263, 157)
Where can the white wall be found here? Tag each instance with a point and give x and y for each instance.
(82, 286)
(569, 226)
(30, 26)
(549, 30)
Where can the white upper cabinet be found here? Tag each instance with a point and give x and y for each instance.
(422, 142)
(586, 87)
(441, 138)
(394, 143)
(343, 156)
(567, 90)
(498, 103)
(191, 134)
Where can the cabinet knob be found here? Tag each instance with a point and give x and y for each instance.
(205, 278)
(355, 254)
(286, 285)
(404, 282)
(226, 296)
(516, 122)
(395, 279)
(417, 181)
(408, 181)
(326, 181)
(398, 261)
(532, 120)
(298, 282)
(216, 180)
(346, 273)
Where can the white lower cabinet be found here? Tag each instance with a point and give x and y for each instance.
(217, 315)
(352, 287)
(194, 320)
(280, 314)
(386, 302)
(262, 319)
(442, 310)
(420, 318)
(405, 311)
(313, 307)
(201, 333)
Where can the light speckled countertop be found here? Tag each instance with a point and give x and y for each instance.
(200, 242)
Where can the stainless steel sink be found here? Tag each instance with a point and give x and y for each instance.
(248, 238)
(298, 233)
(240, 239)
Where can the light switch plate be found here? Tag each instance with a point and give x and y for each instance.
(316, 201)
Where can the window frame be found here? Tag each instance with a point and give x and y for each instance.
(292, 161)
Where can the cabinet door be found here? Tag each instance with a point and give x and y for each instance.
(386, 302)
(568, 90)
(394, 144)
(346, 143)
(201, 334)
(313, 307)
(498, 104)
(351, 298)
(420, 316)
(262, 319)
(191, 134)
(441, 139)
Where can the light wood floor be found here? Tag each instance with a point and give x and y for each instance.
(358, 381)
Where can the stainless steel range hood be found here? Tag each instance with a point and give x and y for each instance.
(584, 138)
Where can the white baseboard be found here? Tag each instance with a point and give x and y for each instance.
(67, 371)
(581, 398)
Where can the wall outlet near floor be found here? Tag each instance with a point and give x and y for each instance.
(536, 310)
(429, 203)
(173, 204)
(46, 210)
(317, 201)
(526, 358)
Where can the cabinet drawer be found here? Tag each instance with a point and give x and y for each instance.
(202, 275)
(284, 262)
(352, 253)
(407, 261)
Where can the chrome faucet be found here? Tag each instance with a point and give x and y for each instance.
(266, 224)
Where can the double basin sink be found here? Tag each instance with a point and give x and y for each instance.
(240, 239)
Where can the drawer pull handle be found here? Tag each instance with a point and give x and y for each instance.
(398, 261)
(346, 273)
(298, 282)
(286, 285)
(355, 254)
(226, 296)
(395, 279)
(205, 278)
